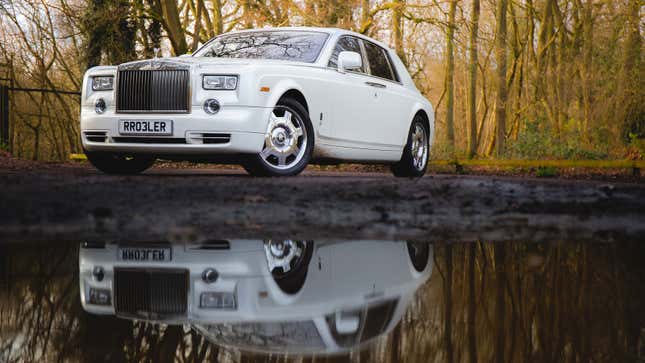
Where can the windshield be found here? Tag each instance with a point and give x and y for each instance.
(298, 46)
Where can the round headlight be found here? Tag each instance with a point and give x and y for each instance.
(99, 106)
(211, 106)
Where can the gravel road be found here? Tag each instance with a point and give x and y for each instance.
(75, 203)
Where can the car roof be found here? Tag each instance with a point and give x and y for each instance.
(330, 31)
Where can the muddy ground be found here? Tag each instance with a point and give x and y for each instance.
(72, 202)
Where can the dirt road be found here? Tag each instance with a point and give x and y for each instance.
(63, 202)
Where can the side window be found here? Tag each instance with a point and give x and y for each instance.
(348, 44)
(379, 62)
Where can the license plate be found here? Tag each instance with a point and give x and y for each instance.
(145, 127)
(145, 254)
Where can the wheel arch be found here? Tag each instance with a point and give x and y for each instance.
(427, 113)
(286, 88)
(295, 94)
(422, 113)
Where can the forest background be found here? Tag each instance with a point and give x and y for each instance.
(513, 79)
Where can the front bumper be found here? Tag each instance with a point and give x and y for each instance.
(241, 130)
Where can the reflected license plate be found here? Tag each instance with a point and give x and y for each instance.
(145, 127)
(145, 254)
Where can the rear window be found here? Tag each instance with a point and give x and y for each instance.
(379, 62)
(299, 46)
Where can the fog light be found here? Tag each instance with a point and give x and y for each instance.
(98, 273)
(217, 300)
(99, 106)
(100, 297)
(209, 275)
(211, 106)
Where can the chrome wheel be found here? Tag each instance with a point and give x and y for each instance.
(285, 142)
(283, 256)
(419, 147)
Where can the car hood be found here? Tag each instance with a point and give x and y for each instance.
(204, 61)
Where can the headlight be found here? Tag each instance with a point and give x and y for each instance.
(219, 82)
(217, 300)
(100, 296)
(102, 83)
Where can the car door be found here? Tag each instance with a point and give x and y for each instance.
(349, 96)
(391, 104)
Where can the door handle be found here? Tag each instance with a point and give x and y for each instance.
(377, 85)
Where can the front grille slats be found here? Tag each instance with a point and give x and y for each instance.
(155, 91)
(151, 293)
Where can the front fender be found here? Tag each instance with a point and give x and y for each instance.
(278, 87)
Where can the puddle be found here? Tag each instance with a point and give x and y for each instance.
(339, 300)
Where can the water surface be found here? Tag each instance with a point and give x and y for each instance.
(381, 301)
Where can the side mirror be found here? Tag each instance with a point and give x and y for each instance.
(348, 61)
(347, 323)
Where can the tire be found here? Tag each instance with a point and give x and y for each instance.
(414, 160)
(419, 253)
(120, 163)
(278, 157)
(292, 281)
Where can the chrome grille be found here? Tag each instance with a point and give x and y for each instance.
(159, 91)
(150, 293)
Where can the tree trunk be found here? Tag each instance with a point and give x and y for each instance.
(472, 73)
(632, 112)
(173, 26)
(586, 72)
(153, 31)
(397, 29)
(447, 303)
(450, 75)
(96, 33)
(500, 300)
(472, 307)
(500, 55)
(396, 342)
(366, 19)
(217, 20)
(127, 35)
(247, 19)
(198, 25)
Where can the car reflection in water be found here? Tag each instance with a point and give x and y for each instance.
(297, 297)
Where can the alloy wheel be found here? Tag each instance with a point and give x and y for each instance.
(285, 141)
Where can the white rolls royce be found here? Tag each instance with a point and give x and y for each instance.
(272, 100)
(300, 297)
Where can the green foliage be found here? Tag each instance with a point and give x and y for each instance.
(636, 146)
(4, 146)
(537, 140)
(546, 172)
(442, 150)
